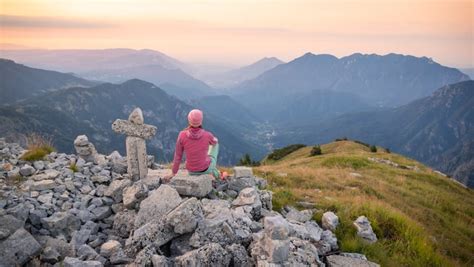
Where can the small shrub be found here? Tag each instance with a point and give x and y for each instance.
(316, 151)
(373, 149)
(388, 150)
(38, 147)
(341, 139)
(282, 152)
(73, 167)
(247, 161)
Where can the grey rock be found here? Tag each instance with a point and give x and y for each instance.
(329, 221)
(342, 261)
(119, 257)
(75, 262)
(100, 179)
(276, 227)
(364, 229)
(85, 149)
(155, 234)
(110, 247)
(39, 165)
(133, 194)
(239, 256)
(20, 211)
(193, 186)
(101, 213)
(159, 202)
(43, 185)
(330, 239)
(180, 245)
(160, 261)
(303, 253)
(27, 170)
(49, 174)
(80, 238)
(85, 252)
(130, 129)
(61, 223)
(46, 198)
(124, 222)
(185, 217)
(18, 248)
(237, 184)
(298, 216)
(240, 172)
(208, 255)
(50, 255)
(115, 189)
(8, 225)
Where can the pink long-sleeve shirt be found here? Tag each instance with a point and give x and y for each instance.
(195, 143)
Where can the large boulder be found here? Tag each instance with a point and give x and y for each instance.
(192, 186)
(364, 229)
(159, 202)
(186, 216)
(18, 248)
(208, 255)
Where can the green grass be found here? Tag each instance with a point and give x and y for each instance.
(420, 218)
(73, 167)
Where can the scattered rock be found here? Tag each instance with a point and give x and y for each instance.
(27, 170)
(364, 229)
(329, 221)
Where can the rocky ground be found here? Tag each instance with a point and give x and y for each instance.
(83, 210)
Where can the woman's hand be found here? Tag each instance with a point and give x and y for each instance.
(167, 178)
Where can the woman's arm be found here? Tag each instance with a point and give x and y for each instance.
(178, 155)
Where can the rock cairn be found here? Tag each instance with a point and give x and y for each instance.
(99, 216)
(136, 132)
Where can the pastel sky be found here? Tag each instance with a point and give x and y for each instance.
(229, 31)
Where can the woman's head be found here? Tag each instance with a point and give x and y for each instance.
(195, 118)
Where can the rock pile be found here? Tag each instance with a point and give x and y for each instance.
(96, 215)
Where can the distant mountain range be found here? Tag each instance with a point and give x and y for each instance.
(437, 130)
(67, 113)
(116, 66)
(231, 78)
(19, 82)
(379, 81)
(86, 60)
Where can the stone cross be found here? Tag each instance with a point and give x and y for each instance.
(136, 132)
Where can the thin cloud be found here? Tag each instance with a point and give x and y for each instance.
(8, 21)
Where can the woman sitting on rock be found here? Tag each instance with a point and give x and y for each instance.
(200, 146)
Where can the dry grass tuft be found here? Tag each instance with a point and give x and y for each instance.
(38, 147)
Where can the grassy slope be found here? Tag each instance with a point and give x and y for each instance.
(420, 217)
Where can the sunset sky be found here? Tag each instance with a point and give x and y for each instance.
(220, 31)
